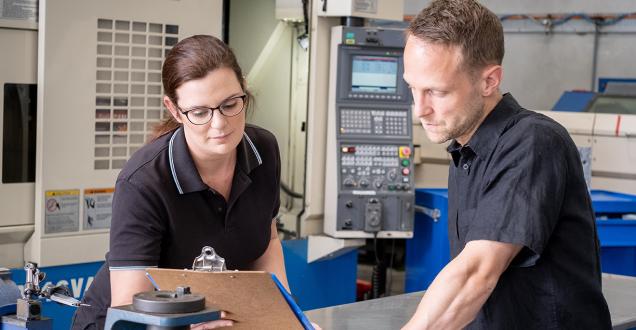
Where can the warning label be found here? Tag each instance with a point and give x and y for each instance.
(98, 204)
(61, 211)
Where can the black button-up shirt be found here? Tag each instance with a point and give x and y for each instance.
(520, 180)
(163, 212)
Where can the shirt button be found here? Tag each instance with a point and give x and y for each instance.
(220, 209)
(466, 166)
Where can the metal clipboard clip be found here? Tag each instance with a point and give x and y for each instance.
(209, 261)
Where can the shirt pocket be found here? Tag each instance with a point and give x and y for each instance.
(464, 219)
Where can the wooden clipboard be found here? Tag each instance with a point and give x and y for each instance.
(251, 298)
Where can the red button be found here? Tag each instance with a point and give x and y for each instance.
(406, 171)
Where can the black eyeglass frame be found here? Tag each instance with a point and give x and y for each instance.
(242, 97)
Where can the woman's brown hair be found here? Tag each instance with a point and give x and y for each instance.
(190, 59)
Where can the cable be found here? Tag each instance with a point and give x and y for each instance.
(375, 247)
(290, 192)
(378, 276)
(390, 276)
(549, 21)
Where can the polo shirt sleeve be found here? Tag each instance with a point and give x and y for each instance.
(136, 229)
(522, 194)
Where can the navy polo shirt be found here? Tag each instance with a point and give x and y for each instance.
(520, 180)
(163, 213)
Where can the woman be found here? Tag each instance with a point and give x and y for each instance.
(207, 178)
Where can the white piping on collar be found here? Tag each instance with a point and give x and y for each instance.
(258, 156)
(171, 158)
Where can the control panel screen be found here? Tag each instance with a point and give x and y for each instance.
(374, 74)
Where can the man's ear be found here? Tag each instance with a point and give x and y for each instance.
(491, 79)
(173, 110)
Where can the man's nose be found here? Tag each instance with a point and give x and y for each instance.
(422, 105)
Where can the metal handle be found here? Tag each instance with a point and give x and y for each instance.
(435, 214)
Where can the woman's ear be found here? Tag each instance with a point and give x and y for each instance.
(172, 108)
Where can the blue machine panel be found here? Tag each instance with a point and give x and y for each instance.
(428, 252)
(323, 283)
(602, 82)
(613, 202)
(574, 101)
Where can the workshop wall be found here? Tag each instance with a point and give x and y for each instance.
(538, 67)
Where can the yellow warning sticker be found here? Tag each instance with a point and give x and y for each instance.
(61, 211)
(70, 192)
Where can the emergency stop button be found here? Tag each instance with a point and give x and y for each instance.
(405, 152)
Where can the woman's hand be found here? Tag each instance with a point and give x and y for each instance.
(220, 323)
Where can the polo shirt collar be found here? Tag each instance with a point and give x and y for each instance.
(184, 173)
(247, 156)
(485, 138)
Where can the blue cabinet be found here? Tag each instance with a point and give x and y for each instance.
(428, 252)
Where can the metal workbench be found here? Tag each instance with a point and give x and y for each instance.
(393, 312)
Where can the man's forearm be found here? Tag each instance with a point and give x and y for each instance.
(463, 286)
(452, 300)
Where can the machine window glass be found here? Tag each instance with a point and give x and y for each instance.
(118, 163)
(105, 23)
(104, 37)
(121, 89)
(374, 74)
(139, 51)
(122, 38)
(104, 49)
(101, 164)
(104, 62)
(156, 28)
(102, 152)
(122, 25)
(614, 104)
(122, 50)
(102, 88)
(139, 26)
(137, 101)
(18, 133)
(102, 114)
(128, 87)
(172, 29)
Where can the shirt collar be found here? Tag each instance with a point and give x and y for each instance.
(488, 133)
(184, 172)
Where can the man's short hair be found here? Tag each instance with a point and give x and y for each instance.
(464, 23)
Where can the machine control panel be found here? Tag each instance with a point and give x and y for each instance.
(376, 122)
(385, 168)
(369, 179)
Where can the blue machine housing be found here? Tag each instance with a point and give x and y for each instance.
(428, 252)
(574, 101)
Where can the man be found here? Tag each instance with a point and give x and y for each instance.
(521, 226)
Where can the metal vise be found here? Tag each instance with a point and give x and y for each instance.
(166, 310)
